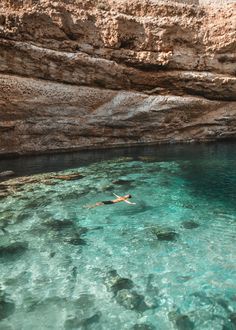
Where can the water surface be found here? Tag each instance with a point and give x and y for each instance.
(168, 262)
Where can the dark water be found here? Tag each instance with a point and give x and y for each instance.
(167, 262)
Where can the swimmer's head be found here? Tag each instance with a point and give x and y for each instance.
(128, 196)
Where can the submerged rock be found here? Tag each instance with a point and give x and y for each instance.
(13, 249)
(124, 295)
(223, 303)
(83, 230)
(143, 326)
(151, 289)
(6, 174)
(4, 194)
(58, 224)
(164, 234)
(77, 240)
(85, 302)
(7, 308)
(68, 177)
(131, 300)
(77, 323)
(122, 182)
(122, 283)
(232, 318)
(115, 282)
(190, 224)
(181, 321)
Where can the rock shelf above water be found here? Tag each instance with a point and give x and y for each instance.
(92, 74)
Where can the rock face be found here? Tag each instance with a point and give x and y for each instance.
(95, 73)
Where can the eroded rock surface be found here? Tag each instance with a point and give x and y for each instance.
(77, 74)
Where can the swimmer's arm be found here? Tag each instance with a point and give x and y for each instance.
(117, 195)
(128, 202)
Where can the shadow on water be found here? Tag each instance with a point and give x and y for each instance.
(26, 165)
(212, 183)
(212, 176)
(210, 171)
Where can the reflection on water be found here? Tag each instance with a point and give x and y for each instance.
(167, 262)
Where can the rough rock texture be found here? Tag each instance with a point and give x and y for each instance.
(95, 73)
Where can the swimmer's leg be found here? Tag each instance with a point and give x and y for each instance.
(94, 205)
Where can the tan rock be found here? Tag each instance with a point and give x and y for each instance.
(77, 74)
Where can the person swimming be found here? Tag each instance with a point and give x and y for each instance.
(114, 201)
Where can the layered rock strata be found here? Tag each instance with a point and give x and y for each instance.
(86, 74)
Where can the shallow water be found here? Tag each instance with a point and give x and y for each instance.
(66, 266)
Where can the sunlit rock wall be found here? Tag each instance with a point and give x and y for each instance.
(77, 74)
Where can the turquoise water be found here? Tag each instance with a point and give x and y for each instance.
(168, 262)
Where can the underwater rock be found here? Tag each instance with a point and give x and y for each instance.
(23, 216)
(97, 228)
(143, 326)
(82, 230)
(7, 308)
(131, 300)
(12, 250)
(6, 174)
(3, 195)
(122, 283)
(122, 182)
(58, 224)
(164, 234)
(147, 158)
(68, 177)
(150, 288)
(4, 191)
(115, 282)
(184, 278)
(182, 322)
(85, 301)
(232, 318)
(76, 240)
(223, 303)
(77, 323)
(190, 224)
(202, 297)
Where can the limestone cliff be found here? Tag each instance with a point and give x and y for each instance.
(95, 73)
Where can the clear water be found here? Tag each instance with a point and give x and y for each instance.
(176, 245)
